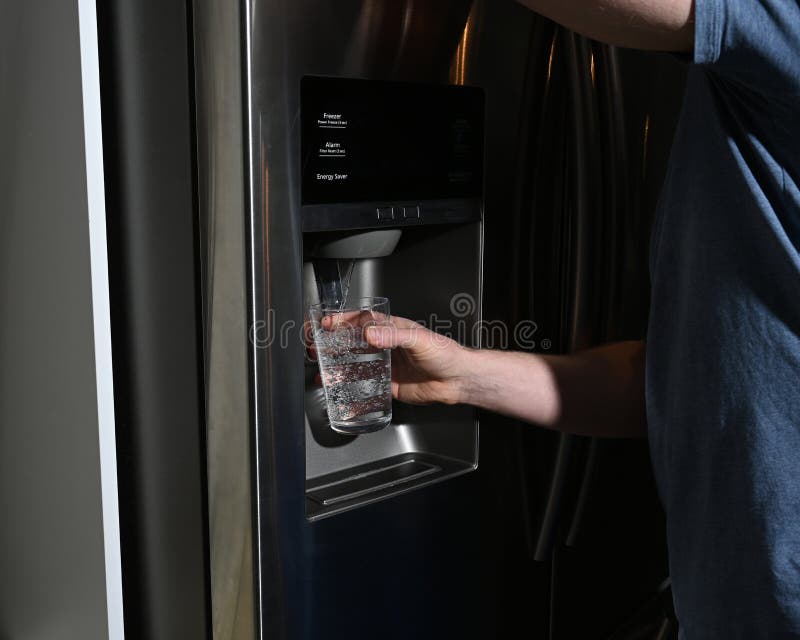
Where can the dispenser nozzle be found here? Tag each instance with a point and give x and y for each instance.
(334, 256)
(333, 281)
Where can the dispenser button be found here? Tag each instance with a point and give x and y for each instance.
(385, 213)
(411, 212)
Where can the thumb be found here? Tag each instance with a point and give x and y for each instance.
(392, 337)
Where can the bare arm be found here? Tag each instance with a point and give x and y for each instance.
(662, 25)
(599, 392)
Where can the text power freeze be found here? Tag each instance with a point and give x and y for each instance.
(332, 121)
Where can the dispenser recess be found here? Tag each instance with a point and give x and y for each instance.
(380, 158)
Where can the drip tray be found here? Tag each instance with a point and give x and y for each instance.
(369, 481)
(360, 485)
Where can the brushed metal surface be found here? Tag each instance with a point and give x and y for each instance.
(582, 275)
(390, 41)
(581, 282)
(221, 198)
(304, 571)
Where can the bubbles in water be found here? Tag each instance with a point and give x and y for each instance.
(356, 377)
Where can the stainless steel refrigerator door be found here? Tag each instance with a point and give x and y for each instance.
(342, 567)
(415, 564)
(219, 104)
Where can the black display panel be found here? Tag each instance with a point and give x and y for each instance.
(370, 141)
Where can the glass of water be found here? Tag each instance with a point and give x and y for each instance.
(355, 375)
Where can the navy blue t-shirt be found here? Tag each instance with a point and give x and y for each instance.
(723, 346)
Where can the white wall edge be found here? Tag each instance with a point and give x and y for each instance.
(95, 186)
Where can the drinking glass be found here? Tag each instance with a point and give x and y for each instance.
(355, 375)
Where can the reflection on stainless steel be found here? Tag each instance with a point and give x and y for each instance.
(405, 31)
(583, 86)
(404, 40)
(590, 236)
(576, 325)
(551, 56)
(548, 92)
(221, 208)
(390, 41)
(458, 72)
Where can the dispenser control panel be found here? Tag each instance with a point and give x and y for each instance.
(377, 153)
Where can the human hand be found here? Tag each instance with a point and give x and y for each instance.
(426, 366)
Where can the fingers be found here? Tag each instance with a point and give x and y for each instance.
(353, 319)
(365, 318)
(403, 323)
(308, 341)
(407, 334)
(345, 317)
(380, 330)
(392, 337)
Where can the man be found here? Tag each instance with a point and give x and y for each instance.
(717, 385)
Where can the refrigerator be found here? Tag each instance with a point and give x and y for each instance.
(168, 471)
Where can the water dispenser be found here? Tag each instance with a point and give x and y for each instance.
(392, 203)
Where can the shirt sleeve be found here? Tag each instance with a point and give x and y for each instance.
(756, 42)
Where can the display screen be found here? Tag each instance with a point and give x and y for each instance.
(369, 141)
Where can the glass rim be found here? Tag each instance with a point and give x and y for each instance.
(374, 302)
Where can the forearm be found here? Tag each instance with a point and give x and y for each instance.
(665, 25)
(599, 392)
